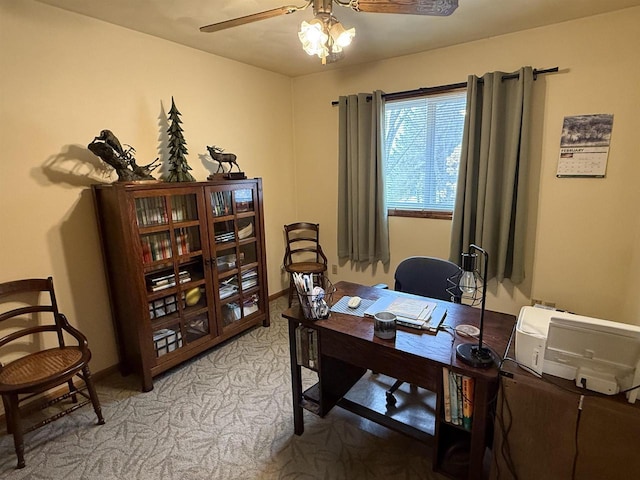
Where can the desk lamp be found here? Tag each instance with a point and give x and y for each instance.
(471, 283)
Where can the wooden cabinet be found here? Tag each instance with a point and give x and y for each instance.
(185, 265)
(548, 428)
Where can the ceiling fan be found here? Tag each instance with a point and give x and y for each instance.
(325, 36)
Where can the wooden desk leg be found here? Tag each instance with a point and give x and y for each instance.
(479, 429)
(296, 381)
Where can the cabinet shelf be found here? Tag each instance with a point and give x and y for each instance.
(160, 245)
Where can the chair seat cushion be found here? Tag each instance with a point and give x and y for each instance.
(40, 366)
(306, 267)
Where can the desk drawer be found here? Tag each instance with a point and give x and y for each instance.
(381, 358)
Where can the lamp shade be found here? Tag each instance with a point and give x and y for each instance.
(473, 286)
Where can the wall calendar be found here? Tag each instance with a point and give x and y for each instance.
(584, 146)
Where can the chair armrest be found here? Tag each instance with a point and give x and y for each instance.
(79, 336)
(324, 257)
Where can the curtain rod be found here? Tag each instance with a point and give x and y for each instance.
(451, 86)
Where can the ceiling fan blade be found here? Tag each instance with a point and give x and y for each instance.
(441, 8)
(214, 27)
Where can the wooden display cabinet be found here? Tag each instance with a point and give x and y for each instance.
(185, 265)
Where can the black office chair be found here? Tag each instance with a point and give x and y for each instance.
(427, 277)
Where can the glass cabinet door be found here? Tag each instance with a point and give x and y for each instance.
(174, 252)
(235, 249)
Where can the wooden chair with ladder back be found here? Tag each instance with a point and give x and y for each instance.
(38, 358)
(303, 253)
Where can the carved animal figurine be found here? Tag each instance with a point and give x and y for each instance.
(108, 148)
(220, 157)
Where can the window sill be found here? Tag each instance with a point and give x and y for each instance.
(439, 215)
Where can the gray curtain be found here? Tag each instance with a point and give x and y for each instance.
(491, 200)
(363, 233)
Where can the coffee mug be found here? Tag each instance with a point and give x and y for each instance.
(384, 325)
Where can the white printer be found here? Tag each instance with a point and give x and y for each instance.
(599, 355)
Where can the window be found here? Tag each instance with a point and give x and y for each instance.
(423, 139)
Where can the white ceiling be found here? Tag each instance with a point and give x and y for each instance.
(273, 43)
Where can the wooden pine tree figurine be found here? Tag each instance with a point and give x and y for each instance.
(179, 169)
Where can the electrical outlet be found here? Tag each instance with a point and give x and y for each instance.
(334, 269)
(550, 304)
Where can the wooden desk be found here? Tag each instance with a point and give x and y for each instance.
(347, 348)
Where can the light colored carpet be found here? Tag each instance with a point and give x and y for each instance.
(225, 415)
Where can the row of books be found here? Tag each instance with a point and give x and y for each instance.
(220, 203)
(151, 211)
(182, 242)
(458, 398)
(307, 347)
(155, 247)
(158, 246)
(183, 208)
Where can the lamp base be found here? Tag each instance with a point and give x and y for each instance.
(474, 355)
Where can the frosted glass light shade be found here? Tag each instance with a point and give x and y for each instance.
(313, 38)
(341, 37)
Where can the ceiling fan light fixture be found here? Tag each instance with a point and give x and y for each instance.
(325, 36)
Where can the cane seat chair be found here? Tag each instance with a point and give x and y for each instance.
(427, 277)
(303, 252)
(36, 358)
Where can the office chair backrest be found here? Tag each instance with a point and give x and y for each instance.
(425, 276)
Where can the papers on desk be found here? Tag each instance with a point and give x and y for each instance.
(411, 310)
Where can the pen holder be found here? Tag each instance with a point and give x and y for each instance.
(315, 293)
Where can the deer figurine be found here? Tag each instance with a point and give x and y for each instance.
(219, 156)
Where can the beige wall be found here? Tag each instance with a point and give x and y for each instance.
(582, 232)
(64, 78)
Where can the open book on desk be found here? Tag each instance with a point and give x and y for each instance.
(411, 310)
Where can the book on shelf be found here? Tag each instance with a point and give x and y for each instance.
(182, 208)
(446, 395)
(168, 281)
(459, 398)
(182, 242)
(453, 393)
(225, 237)
(249, 278)
(156, 247)
(151, 211)
(245, 232)
(467, 401)
(219, 203)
